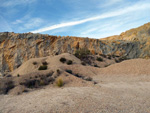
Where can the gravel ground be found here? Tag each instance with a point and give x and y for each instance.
(121, 88)
(118, 97)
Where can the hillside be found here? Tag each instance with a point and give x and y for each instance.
(141, 33)
(16, 48)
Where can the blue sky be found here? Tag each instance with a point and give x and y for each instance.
(83, 18)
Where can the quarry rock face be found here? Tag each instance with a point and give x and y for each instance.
(17, 48)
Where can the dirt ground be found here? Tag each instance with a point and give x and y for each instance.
(124, 91)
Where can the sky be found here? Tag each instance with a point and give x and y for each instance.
(82, 18)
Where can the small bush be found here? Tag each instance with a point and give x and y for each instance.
(113, 56)
(69, 62)
(31, 83)
(18, 75)
(88, 79)
(81, 53)
(42, 83)
(34, 63)
(83, 63)
(109, 57)
(96, 65)
(63, 60)
(6, 85)
(77, 75)
(58, 71)
(44, 63)
(107, 65)
(59, 82)
(99, 59)
(122, 58)
(44, 67)
(69, 71)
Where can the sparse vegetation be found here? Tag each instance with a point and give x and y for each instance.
(43, 67)
(69, 71)
(59, 82)
(88, 79)
(44, 63)
(83, 63)
(58, 71)
(96, 65)
(69, 62)
(34, 63)
(6, 85)
(63, 60)
(77, 75)
(109, 56)
(120, 59)
(36, 82)
(81, 53)
(18, 75)
(107, 65)
(99, 59)
(113, 56)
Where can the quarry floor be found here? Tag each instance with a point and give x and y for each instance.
(112, 94)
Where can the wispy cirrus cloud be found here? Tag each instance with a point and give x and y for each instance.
(30, 23)
(111, 2)
(10, 3)
(4, 25)
(136, 7)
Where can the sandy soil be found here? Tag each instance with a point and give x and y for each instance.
(122, 88)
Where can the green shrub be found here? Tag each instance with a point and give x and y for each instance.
(113, 56)
(81, 53)
(69, 62)
(99, 59)
(59, 82)
(69, 71)
(63, 60)
(18, 75)
(43, 67)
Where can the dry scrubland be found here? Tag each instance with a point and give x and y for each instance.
(119, 88)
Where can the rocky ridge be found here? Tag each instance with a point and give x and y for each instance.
(16, 48)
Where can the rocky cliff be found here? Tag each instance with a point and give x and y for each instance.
(17, 48)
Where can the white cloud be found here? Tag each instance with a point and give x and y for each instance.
(4, 25)
(31, 23)
(17, 22)
(111, 2)
(9, 3)
(136, 7)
